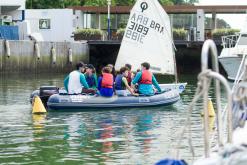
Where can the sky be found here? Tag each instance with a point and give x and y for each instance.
(235, 20)
(223, 2)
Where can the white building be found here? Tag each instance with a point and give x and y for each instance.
(51, 24)
(12, 11)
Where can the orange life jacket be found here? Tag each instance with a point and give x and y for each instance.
(146, 77)
(107, 80)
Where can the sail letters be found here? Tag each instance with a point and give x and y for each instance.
(139, 27)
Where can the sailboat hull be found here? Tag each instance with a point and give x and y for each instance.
(231, 65)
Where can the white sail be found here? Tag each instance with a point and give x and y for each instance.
(147, 38)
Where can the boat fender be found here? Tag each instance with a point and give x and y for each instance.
(70, 56)
(38, 106)
(53, 55)
(211, 111)
(7, 48)
(37, 50)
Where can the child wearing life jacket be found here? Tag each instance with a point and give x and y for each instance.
(112, 70)
(105, 83)
(122, 87)
(146, 80)
(91, 77)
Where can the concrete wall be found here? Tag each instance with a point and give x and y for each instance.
(23, 57)
(62, 23)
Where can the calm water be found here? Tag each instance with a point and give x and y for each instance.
(122, 136)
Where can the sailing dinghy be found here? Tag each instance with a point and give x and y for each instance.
(148, 38)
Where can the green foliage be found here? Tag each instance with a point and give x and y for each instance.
(166, 2)
(217, 33)
(89, 32)
(184, 2)
(179, 34)
(120, 32)
(47, 4)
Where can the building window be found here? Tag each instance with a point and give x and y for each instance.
(44, 24)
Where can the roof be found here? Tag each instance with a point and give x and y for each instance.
(175, 9)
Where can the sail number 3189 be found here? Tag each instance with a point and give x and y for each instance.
(136, 32)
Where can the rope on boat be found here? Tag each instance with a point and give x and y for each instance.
(198, 94)
(204, 82)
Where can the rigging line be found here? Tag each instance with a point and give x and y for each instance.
(199, 93)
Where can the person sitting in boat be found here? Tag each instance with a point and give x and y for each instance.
(130, 74)
(105, 83)
(145, 80)
(112, 70)
(75, 81)
(122, 87)
(91, 77)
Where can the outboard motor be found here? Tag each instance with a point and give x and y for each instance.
(46, 91)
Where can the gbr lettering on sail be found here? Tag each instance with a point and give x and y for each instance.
(139, 27)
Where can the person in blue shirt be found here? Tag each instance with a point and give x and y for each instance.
(105, 83)
(146, 80)
(91, 77)
(122, 87)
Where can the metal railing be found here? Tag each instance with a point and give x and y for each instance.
(229, 41)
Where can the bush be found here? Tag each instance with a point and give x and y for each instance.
(218, 33)
(120, 32)
(88, 34)
(179, 34)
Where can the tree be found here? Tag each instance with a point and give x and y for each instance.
(47, 4)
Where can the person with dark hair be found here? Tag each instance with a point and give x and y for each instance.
(130, 74)
(112, 69)
(75, 81)
(146, 80)
(121, 84)
(105, 83)
(91, 77)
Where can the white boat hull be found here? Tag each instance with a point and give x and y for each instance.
(231, 65)
(179, 86)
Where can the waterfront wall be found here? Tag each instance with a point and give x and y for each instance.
(23, 56)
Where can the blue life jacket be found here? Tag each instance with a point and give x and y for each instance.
(118, 83)
(91, 81)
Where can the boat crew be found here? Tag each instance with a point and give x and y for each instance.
(122, 87)
(75, 81)
(145, 80)
(105, 83)
(91, 77)
(112, 70)
(130, 74)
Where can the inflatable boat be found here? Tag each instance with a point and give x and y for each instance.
(56, 99)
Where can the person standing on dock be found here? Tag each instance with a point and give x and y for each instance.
(145, 80)
(75, 82)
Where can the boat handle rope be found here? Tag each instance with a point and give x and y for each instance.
(204, 81)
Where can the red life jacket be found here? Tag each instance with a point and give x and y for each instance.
(107, 80)
(146, 77)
